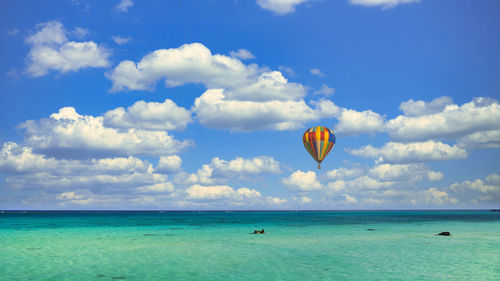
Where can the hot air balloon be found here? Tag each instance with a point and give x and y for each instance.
(318, 142)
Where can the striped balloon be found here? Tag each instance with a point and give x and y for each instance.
(318, 142)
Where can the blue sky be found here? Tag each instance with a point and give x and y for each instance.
(202, 104)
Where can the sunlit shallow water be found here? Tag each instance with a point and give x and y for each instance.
(388, 245)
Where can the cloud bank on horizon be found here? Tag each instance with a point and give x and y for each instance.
(169, 115)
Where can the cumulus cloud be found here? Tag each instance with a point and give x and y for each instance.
(394, 152)
(190, 63)
(124, 5)
(268, 86)
(242, 54)
(29, 170)
(169, 164)
(303, 181)
(428, 198)
(484, 191)
(214, 192)
(381, 184)
(352, 122)
(343, 173)
(51, 50)
(404, 172)
(149, 116)
(241, 168)
(121, 40)
(440, 119)
(83, 197)
(483, 139)
(385, 4)
(194, 63)
(280, 7)
(413, 108)
(67, 134)
(324, 90)
(214, 110)
(239, 97)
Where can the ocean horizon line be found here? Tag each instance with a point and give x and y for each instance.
(229, 210)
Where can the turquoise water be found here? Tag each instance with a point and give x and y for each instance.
(219, 246)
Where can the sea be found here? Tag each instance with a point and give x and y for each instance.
(220, 245)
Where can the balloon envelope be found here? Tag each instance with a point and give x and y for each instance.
(318, 141)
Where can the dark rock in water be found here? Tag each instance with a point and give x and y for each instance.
(371, 229)
(149, 234)
(101, 275)
(445, 233)
(119, 277)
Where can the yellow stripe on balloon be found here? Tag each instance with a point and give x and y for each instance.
(318, 142)
(326, 144)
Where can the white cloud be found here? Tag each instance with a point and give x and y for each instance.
(82, 197)
(124, 5)
(49, 33)
(51, 50)
(350, 199)
(280, 7)
(413, 108)
(121, 40)
(483, 139)
(214, 110)
(352, 122)
(275, 200)
(31, 171)
(190, 63)
(493, 179)
(241, 166)
(404, 172)
(194, 63)
(242, 54)
(268, 86)
(149, 116)
(317, 72)
(16, 159)
(67, 134)
(303, 181)
(384, 3)
(157, 188)
(393, 152)
(220, 170)
(478, 185)
(214, 192)
(324, 90)
(169, 164)
(479, 190)
(336, 186)
(452, 122)
(368, 182)
(431, 197)
(343, 173)
(80, 32)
